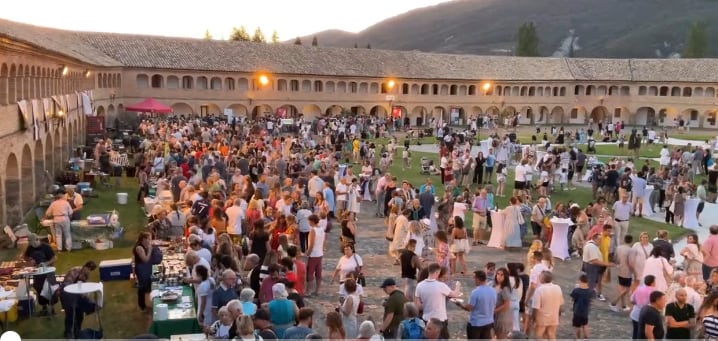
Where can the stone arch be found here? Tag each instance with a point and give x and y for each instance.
(290, 111)
(100, 111)
(710, 92)
(666, 116)
(358, 110)
(476, 111)
(242, 84)
(212, 109)
(415, 89)
(557, 115)
(173, 82)
(111, 111)
(202, 83)
(4, 79)
(599, 114)
(645, 116)
(419, 113)
(157, 82)
(39, 168)
(238, 109)
(11, 87)
(379, 111)
(311, 111)
(691, 116)
(440, 113)
(13, 204)
(329, 87)
(425, 89)
(260, 111)
(181, 108)
(27, 179)
(215, 83)
(493, 111)
(306, 85)
(710, 118)
(333, 110)
(526, 115)
(457, 116)
(342, 87)
(543, 114)
(141, 82)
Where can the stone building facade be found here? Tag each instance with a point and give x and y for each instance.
(206, 77)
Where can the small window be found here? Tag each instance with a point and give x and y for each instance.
(405, 89)
(472, 90)
(294, 85)
(229, 83)
(142, 81)
(157, 81)
(353, 88)
(318, 86)
(435, 89)
(187, 82)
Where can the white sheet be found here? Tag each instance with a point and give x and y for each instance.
(559, 238)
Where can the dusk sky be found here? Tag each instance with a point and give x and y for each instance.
(185, 18)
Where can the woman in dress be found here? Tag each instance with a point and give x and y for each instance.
(444, 211)
(143, 269)
(350, 308)
(517, 293)
(512, 224)
(643, 249)
(503, 314)
(442, 252)
(659, 267)
(416, 234)
(459, 244)
(321, 206)
(679, 205)
(354, 198)
(693, 257)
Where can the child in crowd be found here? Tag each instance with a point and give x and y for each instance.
(545, 182)
(563, 179)
(581, 296)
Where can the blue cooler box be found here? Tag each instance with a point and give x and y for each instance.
(116, 269)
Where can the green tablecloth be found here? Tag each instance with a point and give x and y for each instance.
(180, 321)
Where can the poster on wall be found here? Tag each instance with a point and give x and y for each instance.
(229, 112)
(282, 112)
(455, 120)
(396, 112)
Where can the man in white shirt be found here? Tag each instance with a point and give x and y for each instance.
(284, 205)
(380, 186)
(341, 191)
(621, 215)
(314, 185)
(431, 295)
(520, 178)
(235, 214)
(638, 192)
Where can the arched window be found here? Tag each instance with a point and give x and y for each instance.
(157, 81)
(202, 83)
(172, 82)
(229, 83)
(142, 81)
(187, 82)
(472, 90)
(215, 83)
(318, 86)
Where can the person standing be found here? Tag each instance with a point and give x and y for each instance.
(60, 211)
(650, 321)
(75, 201)
(680, 317)
(622, 210)
(581, 296)
(393, 309)
(710, 252)
(431, 295)
(410, 263)
(315, 250)
(482, 303)
(626, 258)
(546, 305)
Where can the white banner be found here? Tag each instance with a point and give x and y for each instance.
(36, 112)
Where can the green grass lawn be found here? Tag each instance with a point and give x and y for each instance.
(121, 318)
(582, 195)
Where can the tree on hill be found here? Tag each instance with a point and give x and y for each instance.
(528, 41)
(368, 46)
(239, 34)
(275, 37)
(207, 35)
(258, 36)
(315, 42)
(697, 44)
(298, 41)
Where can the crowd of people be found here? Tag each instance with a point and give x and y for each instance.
(259, 210)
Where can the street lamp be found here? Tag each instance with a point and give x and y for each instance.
(390, 84)
(263, 80)
(486, 87)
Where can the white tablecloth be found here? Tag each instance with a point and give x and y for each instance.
(559, 238)
(485, 145)
(647, 208)
(690, 221)
(497, 231)
(87, 288)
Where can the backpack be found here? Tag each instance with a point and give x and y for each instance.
(411, 330)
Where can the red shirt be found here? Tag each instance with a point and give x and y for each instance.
(301, 269)
(710, 246)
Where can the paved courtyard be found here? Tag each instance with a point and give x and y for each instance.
(372, 246)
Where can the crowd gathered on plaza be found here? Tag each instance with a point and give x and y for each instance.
(259, 204)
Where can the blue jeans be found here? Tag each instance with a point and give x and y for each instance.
(707, 272)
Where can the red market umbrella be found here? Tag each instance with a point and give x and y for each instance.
(150, 105)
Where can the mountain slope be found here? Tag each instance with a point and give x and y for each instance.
(597, 28)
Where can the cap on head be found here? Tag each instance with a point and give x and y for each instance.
(389, 282)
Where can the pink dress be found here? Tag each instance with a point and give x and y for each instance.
(443, 254)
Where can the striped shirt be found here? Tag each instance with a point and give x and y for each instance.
(710, 326)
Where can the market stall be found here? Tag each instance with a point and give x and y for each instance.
(97, 231)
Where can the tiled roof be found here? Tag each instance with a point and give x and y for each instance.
(140, 51)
